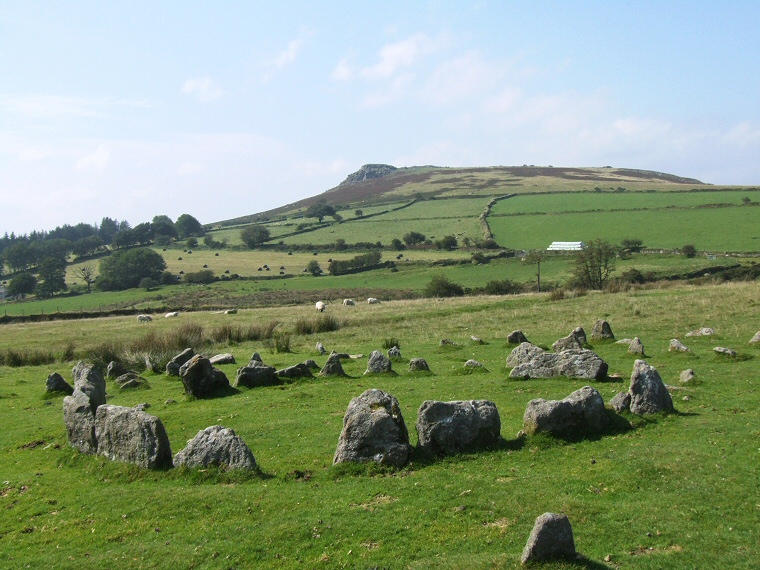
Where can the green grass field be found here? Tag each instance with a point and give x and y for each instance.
(677, 491)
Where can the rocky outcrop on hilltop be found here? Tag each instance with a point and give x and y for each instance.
(369, 171)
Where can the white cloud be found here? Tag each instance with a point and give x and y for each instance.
(394, 91)
(290, 53)
(742, 135)
(402, 54)
(343, 71)
(203, 87)
(95, 162)
(459, 78)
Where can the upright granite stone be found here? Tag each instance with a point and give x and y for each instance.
(133, 436)
(580, 334)
(321, 348)
(394, 352)
(418, 365)
(570, 342)
(255, 376)
(219, 446)
(89, 380)
(636, 346)
(373, 430)
(755, 339)
(602, 331)
(378, 363)
(533, 362)
(648, 392)
(333, 366)
(447, 428)
(550, 539)
(516, 337)
(80, 422)
(173, 366)
(56, 383)
(581, 412)
(200, 378)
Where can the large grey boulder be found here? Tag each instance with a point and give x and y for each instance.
(536, 363)
(299, 370)
(450, 427)
(200, 378)
(581, 412)
(80, 422)
(378, 363)
(648, 392)
(373, 430)
(550, 539)
(570, 342)
(173, 366)
(56, 383)
(418, 365)
(516, 337)
(216, 445)
(89, 380)
(602, 331)
(255, 376)
(333, 366)
(133, 436)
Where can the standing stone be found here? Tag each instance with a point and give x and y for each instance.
(216, 445)
(687, 375)
(755, 339)
(550, 539)
(133, 436)
(115, 369)
(373, 430)
(516, 337)
(582, 411)
(200, 378)
(451, 427)
(580, 334)
(225, 358)
(173, 366)
(418, 365)
(255, 357)
(621, 402)
(80, 422)
(311, 364)
(89, 380)
(255, 376)
(677, 346)
(602, 330)
(571, 341)
(56, 383)
(636, 346)
(333, 366)
(394, 352)
(648, 392)
(377, 363)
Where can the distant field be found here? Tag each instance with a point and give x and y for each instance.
(708, 229)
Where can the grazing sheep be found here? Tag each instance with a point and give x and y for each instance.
(144, 318)
(320, 306)
(347, 302)
(172, 314)
(372, 301)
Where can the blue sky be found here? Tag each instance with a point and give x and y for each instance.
(221, 109)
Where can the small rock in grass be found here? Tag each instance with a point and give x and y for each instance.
(418, 364)
(677, 346)
(724, 350)
(755, 339)
(472, 363)
(550, 539)
(688, 375)
(702, 331)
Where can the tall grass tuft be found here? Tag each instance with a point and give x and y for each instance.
(15, 358)
(281, 342)
(389, 343)
(319, 324)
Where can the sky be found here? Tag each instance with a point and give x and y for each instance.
(221, 109)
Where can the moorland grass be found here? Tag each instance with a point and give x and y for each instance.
(677, 491)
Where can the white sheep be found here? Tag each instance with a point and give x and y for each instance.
(172, 314)
(372, 301)
(144, 318)
(348, 302)
(320, 306)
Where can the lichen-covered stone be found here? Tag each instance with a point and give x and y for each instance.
(133, 436)
(451, 427)
(216, 445)
(550, 539)
(648, 392)
(581, 412)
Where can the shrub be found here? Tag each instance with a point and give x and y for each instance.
(389, 343)
(281, 342)
(557, 294)
(441, 286)
(689, 251)
(446, 242)
(254, 235)
(148, 283)
(322, 323)
(200, 277)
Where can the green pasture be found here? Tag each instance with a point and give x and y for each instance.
(676, 491)
(708, 229)
(591, 201)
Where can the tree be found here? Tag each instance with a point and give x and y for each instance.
(163, 226)
(187, 226)
(52, 276)
(358, 213)
(632, 245)
(535, 257)
(18, 256)
(413, 238)
(124, 238)
(441, 286)
(314, 268)
(125, 269)
(320, 210)
(143, 233)
(594, 264)
(254, 235)
(108, 229)
(446, 242)
(22, 285)
(689, 251)
(87, 246)
(86, 273)
(191, 242)
(397, 244)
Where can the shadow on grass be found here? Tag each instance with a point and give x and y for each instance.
(424, 457)
(580, 561)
